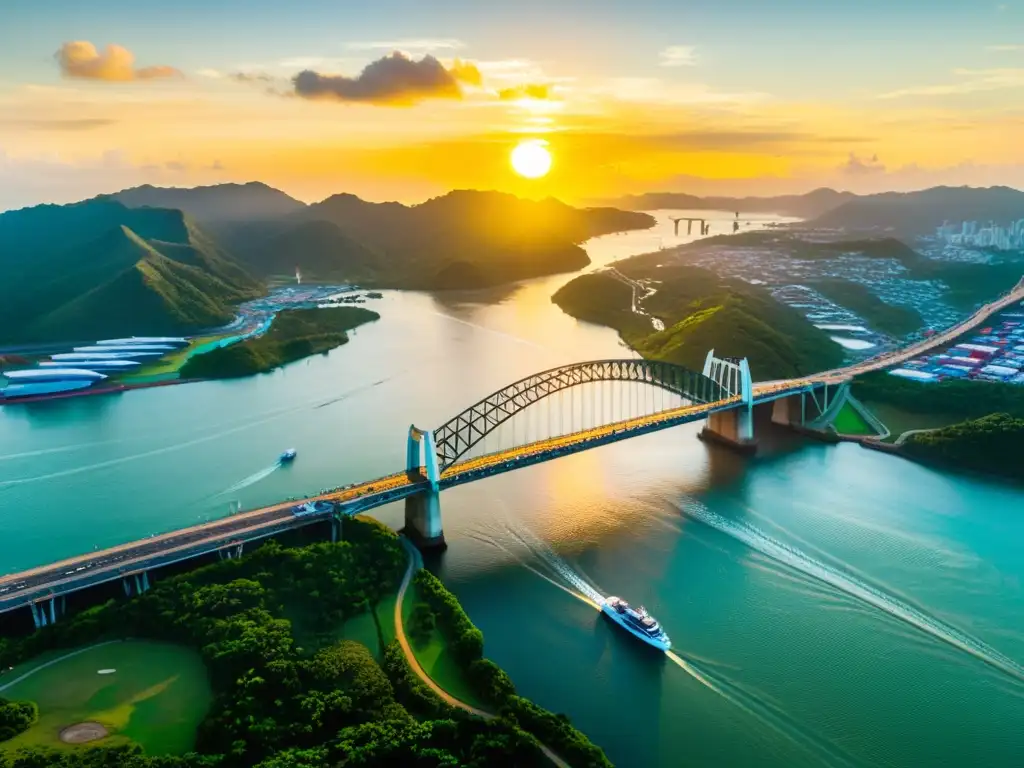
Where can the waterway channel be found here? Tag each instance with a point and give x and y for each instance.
(828, 605)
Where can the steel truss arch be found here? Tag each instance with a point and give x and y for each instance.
(458, 435)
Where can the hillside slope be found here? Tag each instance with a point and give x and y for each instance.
(919, 213)
(702, 312)
(320, 249)
(216, 203)
(98, 268)
(469, 238)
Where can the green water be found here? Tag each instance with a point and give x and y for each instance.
(828, 605)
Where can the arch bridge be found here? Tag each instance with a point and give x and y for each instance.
(722, 393)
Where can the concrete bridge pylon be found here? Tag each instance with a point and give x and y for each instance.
(733, 428)
(423, 510)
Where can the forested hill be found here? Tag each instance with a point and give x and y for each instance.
(153, 261)
(98, 268)
(463, 239)
(702, 311)
(919, 213)
(219, 202)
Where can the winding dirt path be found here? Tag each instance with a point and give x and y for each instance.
(421, 673)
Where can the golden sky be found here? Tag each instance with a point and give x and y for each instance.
(407, 116)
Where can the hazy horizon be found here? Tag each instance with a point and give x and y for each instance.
(405, 102)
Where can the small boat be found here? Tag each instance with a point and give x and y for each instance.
(637, 622)
(287, 456)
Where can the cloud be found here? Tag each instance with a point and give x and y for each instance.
(252, 77)
(68, 124)
(176, 165)
(856, 166)
(395, 80)
(417, 45)
(537, 91)
(679, 56)
(115, 64)
(970, 81)
(1004, 47)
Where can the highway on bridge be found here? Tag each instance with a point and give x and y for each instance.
(106, 565)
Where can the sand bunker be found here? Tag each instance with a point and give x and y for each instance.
(81, 733)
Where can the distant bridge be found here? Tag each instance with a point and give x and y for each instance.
(704, 227)
(585, 404)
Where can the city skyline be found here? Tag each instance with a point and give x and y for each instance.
(404, 102)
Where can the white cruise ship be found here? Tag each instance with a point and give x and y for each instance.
(46, 381)
(102, 364)
(165, 348)
(174, 341)
(637, 622)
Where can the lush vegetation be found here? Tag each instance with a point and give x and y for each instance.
(464, 239)
(990, 444)
(98, 269)
(702, 311)
(279, 703)
(294, 334)
(858, 298)
(494, 686)
(962, 399)
(16, 717)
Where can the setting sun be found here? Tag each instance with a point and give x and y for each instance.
(531, 158)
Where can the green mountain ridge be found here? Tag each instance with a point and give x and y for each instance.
(702, 311)
(98, 268)
(463, 239)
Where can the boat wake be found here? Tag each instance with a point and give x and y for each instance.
(765, 712)
(557, 565)
(761, 542)
(252, 479)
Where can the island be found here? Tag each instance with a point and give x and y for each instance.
(293, 335)
(303, 651)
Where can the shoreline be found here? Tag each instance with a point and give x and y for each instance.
(107, 390)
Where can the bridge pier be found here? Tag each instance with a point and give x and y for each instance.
(135, 583)
(423, 510)
(45, 612)
(790, 411)
(423, 520)
(733, 429)
(231, 552)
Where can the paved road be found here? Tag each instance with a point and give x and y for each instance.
(421, 673)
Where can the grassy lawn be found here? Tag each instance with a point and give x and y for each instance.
(899, 421)
(436, 659)
(156, 696)
(849, 422)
